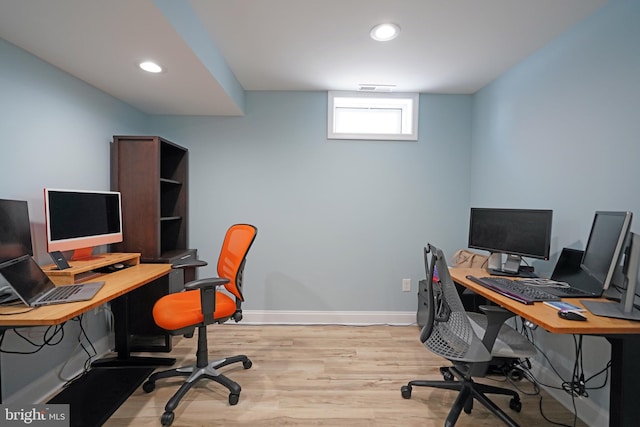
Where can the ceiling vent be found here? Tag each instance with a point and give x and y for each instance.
(376, 88)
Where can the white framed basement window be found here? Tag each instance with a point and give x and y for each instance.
(373, 115)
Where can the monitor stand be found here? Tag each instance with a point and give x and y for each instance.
(611, 309)
(510, 268)
(7, 295)
(84, 254)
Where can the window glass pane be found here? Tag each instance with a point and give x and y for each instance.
(363, 120)
(367, 115)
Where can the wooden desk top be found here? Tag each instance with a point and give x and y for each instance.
(545, 316)
(116, 284)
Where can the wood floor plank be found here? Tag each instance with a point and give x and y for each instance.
(322, 376)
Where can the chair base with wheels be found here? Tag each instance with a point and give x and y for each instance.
(203, 369)
(468, 391)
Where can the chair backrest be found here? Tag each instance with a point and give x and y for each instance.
(448, 331)
(235, 247)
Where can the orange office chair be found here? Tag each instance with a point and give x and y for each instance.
(200, 304)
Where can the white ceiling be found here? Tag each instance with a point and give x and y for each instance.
(445, 46)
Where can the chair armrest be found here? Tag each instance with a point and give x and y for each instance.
(496, 316)
(208, 291)
(188, 264)
(211, 282)
(497, 310)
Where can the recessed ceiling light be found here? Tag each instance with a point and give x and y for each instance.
(384, 32)
(151, 67)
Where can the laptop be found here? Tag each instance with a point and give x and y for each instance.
(35, 289)
(575, 282)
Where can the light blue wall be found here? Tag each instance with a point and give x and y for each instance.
(55, 132)
(562, 131)
(340, 223)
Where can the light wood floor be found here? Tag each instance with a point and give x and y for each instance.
(322, 376)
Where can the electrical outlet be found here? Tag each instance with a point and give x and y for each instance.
(406, 285)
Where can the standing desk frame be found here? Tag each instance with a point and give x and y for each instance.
(624, 336)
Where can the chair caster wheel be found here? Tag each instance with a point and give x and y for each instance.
(149, 386)
(405, 390)
(446, 374)
(167, 418)
(247, 364)
(515, 404)
(468, 406)
(233, 399)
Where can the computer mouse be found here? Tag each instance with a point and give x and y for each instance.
(571, 315)
(118, 266)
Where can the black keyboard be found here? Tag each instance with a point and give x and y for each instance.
(514, 290)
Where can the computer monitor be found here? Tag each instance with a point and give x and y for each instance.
(515, 232)
(607, 238)
(626, 308)
(15, 230)
(79, 220)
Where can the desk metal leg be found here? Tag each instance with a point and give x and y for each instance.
(120, 308)
(624, 410)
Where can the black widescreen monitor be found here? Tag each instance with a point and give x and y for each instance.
(515, 232)
(15, 230)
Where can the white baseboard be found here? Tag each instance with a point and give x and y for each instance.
(47, 385)
(294, 317)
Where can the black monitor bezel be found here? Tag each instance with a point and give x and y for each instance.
(544, 254)
(618, 250)
(18, 219)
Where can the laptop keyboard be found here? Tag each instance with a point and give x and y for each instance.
(62, 292)
(573, 291)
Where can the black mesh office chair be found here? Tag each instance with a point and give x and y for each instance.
(454, 334)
